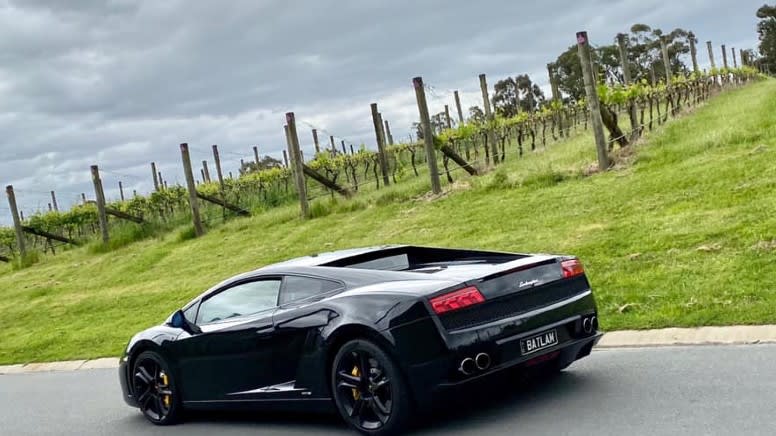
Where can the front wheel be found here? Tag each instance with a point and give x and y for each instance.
(155, 390)
(369, 390)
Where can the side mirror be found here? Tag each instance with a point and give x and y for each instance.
(178, 320)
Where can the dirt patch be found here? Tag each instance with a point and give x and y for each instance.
(457, 186)
(709, 248)
(765, 245)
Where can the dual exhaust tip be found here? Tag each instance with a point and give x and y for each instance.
(480, 362)
(589, 325)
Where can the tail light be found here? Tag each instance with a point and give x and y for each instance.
(572, 268)
(456, 300)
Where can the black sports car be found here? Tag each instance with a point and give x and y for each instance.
(379, 332)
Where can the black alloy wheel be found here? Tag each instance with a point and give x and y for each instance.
(154, 389)
(369, 390)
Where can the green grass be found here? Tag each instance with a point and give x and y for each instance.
(681, 234)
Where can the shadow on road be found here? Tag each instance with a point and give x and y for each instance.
(503, 399)
(498, 400)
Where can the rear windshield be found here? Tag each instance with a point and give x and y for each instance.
(421, 259)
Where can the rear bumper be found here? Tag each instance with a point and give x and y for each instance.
(564, 353)
(501, 341)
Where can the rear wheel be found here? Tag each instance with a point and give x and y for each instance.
(154, 389)
(369, 390)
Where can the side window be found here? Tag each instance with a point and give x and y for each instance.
(244, 299)
(191, 312)
(298, 288)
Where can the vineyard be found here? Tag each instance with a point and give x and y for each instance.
(473, 145)
(678, 233)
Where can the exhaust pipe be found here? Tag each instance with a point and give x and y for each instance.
(483, 361)
(468, 366)
(587, 325)
(594, 324)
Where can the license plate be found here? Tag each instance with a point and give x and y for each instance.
(539, 342)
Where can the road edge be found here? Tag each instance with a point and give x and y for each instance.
(730, 335)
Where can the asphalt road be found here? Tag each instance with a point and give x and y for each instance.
(711, 390)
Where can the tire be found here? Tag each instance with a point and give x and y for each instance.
(364, 397)
(155, 389)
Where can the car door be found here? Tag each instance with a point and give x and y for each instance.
(296, 322)
(233, 353)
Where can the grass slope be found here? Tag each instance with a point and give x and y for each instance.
(682, 235)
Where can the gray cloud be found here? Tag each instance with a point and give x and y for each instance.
(121, 83)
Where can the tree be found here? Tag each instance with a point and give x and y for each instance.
(766, 29)
(505, 97)
(476, 115)
(265, 163)
(644, 51)
(438, 123)
(531, 96)
(569, 70)
(569, 73)
(520, 91)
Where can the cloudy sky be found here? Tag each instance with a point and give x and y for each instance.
(121, 83)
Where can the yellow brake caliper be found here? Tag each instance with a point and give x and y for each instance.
(165, 380)
(356, 373)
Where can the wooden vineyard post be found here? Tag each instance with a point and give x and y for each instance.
(217, 163)
(724, 57)
(54, 200)
(83, 198)
(296, 163)
(17, 222)
(256, 156)
(161, 182)
(553, 81)
(385, 135)
(489, 116)
(634, 120)
(202, 173)
(285, 158)
(458, 107)
(448, 121)
(693, 53)
(733, 55)
(556, 97)
(382, 158)
(428, 134)
(99, 195)
(711, 54)
(387, 132)
(315, 140)
(344, 150)
(156, 179)
(192, 188)
(332, 145)
(666, 60)
(652, 75)
(593, 104)
(121, 191)
(205, 171)
(711, 59)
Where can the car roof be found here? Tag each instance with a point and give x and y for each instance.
(328, 257)
(310, 265)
